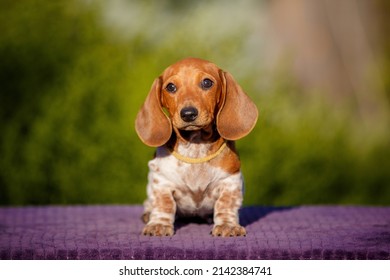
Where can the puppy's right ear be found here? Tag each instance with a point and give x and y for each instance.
(152, 125)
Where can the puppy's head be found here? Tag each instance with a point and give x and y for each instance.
(190, 95)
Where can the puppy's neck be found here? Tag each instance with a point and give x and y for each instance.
(196, 144)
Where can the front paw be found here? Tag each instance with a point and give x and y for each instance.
(225, 230)
(158, 230)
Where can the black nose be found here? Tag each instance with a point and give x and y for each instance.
(188, 114)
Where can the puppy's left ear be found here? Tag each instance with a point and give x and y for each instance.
(237, 115)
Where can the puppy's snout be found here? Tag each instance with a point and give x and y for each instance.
(189, 114)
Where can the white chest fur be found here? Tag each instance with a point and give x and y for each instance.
(195, 187)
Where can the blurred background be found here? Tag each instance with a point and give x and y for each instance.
(73, 74)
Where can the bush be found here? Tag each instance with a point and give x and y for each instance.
(310, 153)
(71, 87)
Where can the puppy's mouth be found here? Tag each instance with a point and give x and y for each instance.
(196, 133)
(198, 124)
(191, 127)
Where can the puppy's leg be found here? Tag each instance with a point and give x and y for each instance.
(147, 210)
(226, 219)
(162, 214)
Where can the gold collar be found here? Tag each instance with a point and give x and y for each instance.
(199, 160)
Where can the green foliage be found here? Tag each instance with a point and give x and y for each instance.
(311, 153)
(71, 85)
(66, 134)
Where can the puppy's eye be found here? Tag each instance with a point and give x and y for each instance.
(171, 88)
(206, 83)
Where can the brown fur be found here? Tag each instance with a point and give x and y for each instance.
(225, 114)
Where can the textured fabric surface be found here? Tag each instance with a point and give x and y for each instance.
(113, 232)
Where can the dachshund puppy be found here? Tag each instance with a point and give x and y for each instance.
(192, 114)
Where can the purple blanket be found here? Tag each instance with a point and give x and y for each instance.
(113, 232)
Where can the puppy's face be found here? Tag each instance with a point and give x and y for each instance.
(195, 93)
(191, 94)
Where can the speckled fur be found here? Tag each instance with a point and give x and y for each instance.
(176, 188)
(194, 189)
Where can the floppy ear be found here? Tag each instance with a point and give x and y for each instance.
(152, 125)
(237, 114)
